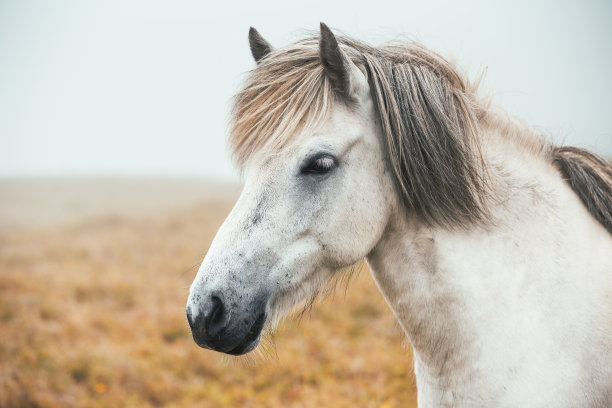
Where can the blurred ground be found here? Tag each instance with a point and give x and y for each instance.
(94, 277)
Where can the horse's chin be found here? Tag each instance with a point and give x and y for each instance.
(234, 344)
(243, 349)
(251, 340)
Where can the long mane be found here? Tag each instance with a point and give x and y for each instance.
(590, 177)
(431, 120)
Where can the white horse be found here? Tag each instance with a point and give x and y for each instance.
(492, 247)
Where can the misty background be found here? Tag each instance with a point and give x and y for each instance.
(143, 88)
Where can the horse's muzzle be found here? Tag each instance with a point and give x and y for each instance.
(217, 327)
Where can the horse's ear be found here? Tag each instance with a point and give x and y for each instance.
(259, 46)
(345, 77)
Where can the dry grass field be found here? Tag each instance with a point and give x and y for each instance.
(92, 315)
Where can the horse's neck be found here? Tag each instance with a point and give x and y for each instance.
(482, 305)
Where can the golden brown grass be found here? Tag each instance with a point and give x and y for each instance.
(92, 315)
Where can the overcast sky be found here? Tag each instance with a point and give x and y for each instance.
(143, 88)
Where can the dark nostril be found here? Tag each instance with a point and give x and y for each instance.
(217, 319)
(216, 313)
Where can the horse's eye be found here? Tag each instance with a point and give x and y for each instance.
(319, 165)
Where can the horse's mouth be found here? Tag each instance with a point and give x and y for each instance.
(251, 339)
